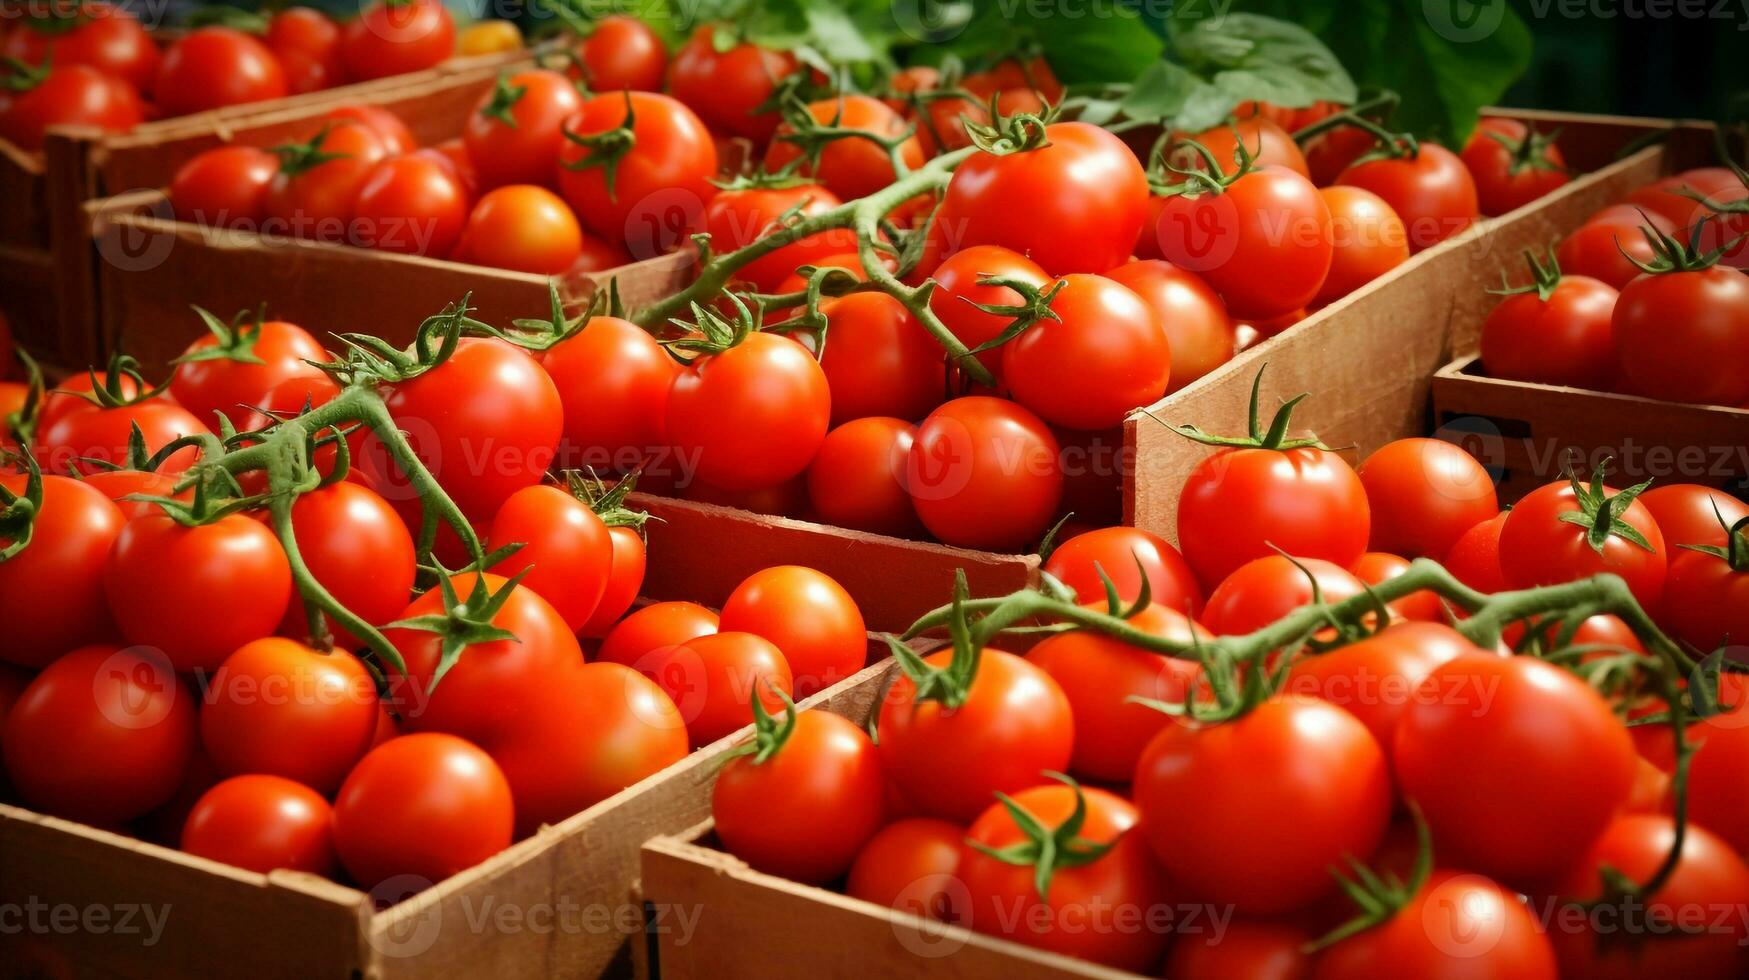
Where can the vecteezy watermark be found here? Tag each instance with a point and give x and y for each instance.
(34, 916)
(1487, 439)
(931, 938)
(415, 924)
(1465, 21)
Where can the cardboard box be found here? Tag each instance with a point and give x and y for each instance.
(95, 903)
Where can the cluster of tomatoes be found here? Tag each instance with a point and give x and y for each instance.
(94, 64)
(1647, 297)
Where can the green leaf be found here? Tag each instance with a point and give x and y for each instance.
(1095, 42)
(1247, 57)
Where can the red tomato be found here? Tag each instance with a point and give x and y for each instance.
(281, 708)
(1265, 142)
(1455, 927)
(219, 375)
(1423, 494)
(1563, 338)
(356, 547)
(119, 484)
(226, 187)
(613, 380)
(1329, 154)
(1670, 197)
(1246, 949)
(649, 193)
(1074, 204)
(1603, 246)
(623, 582)
(1431, 192)
(1689, 514)
(1198, 330)
(1674, 330)
(393, 37)
(422, 806)
(912, 865)
(1516, 764)
(713, 679)
(806, 803)
(1378, 567)
(1539, 547)
(102, 735)
(737, 218)
(307, 44)
(74, 95)
(94, 34)
(654, 631)
(623, 52)
(985, 473)
(1718, 799)
(1125, 555)
(1376, 679)
(566, 551)
(1302, 756)
(726, 87)
(1103, 355)
(1013, 724)
(879, 360)
(1099, 674)
(958, 294)
(1706, 599)
(1475, 557)
(413, 205)
(51, 592)
(263, 823)
(1367, 240)
(1265, 589)
(212, 67)
(1512, 164)
(1706, 892)
(522, 228)
(316, 190)
(77, 430)
(516, 130)
(163, 578)
(751, 416)
(857, 479)
(1122, 885)
(852, 167)
(808, 616)
(1263, 242)
(397, 137)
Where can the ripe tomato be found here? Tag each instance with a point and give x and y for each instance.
(424, 806)
(1670, 197)
(985, 473)
(958, 294)
(316, 189)
(356, 547)
(1709, 879)
(912, 865)
(393, 37)
(1539, 547)
(1423, 494)
(76, 429)
(212, 67)
(1329, 154)
(1706, 598)
(1099, 674)
(1113, 346)
(1673, 330)
(413, 204)
(102, 735)
(725, 87)
(1690, 514)
(566, 551)
(805, 804)
(624, 581)
(1378, 567)
(1512, 164)
(1431, 191)
(857, 478)
(1265, 589)
(1265, 141)
(613, 380)
(1263, 242)
(713, 679)
(51, 593)
(1561, 337)
(1013, 724)
(219, 375)
(655, 630)
(263, 823)
(1125, 555)
(1475, 557)
(623, 52)
(1516, 764)
(1603, 246)
(1302, 756)
(1074, 204)
(397, 137)
(1377, 678)
(878, 360)
(163, 578)
(1367, 240)
(737, 217)
(485, 422)
(808, 616)
(1248, 949)
(1122, 885)
(279, 707)
(225, 187)
(94, 34)
(1198, 330)
(306, 42)
(522, 228)
(649, 192)
(478, 695)
(751, 416)
(1456, 926)
(74, 95)
(851, 167)
(1717, 797)
(515, 131)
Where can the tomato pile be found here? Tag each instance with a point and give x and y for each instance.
(338, 616)
(1647, 297)
(96, 65)
(1375, 767)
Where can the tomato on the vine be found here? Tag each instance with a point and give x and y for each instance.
(393, 37)
(1113, 343)
(1262, 240)
(1556, 331)
(1265, 141)
(51, 592)
(647, 189)
(985, 473)
(1608, 244)
(1367, 240)
(879, 360)
(1429, 188)
(1377, 567)
(516, 130)
(357, 548)
(75, 430)
(279, 707)
(1687, 513)
(1265, 589)
(1125, 555)
(1512, 164)
(234, 367)
(1454, 926)
(852, 166)
(714, 678)
(739, 216)
(1374, 679)
(857, 479)
(750, 416)
(566, 552)
(613, 380)
(622, 52)
(410, 204)
(958, 294)
(726, 87)
(74, 95)
(1198, 330)
(1563, 532)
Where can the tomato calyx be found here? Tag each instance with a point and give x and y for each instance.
(1738, 206)
(21, 424)
(234, 341)
(18, 511)
(608, 503)
(224, 15)
(299, 158)
(715, 333)
(1275, 438)
(1671, 254)
(812, 137)
(1735, 552)
(1531, 152)
(21, 76)
(504, 98)
(606, 148)
(462, 624)
(112, 390)
(1600, 513)
(769, 734)
(374, 358)
(948, 686)
(1544, 277)
(1016, 133)
(1208, 177)
(1034, 306)
(1380, 896)
(1046, 849)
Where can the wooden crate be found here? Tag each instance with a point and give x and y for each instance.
(1530, 434)
(558, 903)
(1369, 358)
